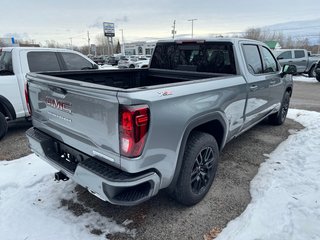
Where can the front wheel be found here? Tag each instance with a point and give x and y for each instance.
(279, 117)
(198, 170)
(3, 126)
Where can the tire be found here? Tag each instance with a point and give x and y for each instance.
(3, 126)
(198, 170)
(131, 66)
(318, 77)
(279, 117)
(312, 72)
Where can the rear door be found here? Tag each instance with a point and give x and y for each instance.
(300, 60)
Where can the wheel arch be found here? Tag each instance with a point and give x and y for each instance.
(214, 124)
(7, 109)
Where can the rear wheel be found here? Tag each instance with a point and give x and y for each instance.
(279, 117)
(312, 72)
(198, 169)
(3, 126)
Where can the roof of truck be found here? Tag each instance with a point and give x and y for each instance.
(37, 49)
(199, 40)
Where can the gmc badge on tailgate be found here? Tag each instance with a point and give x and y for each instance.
(58, 104)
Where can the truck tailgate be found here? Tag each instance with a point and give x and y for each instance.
(77, 114)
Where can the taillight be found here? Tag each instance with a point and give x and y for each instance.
(26, 94)
(134, 125)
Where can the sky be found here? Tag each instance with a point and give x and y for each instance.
(61, 20)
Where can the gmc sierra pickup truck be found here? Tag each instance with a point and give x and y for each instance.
(16, 62)
(301, 58)
(126, 134)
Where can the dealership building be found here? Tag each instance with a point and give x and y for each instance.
(139, 48)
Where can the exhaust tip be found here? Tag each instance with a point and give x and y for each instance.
(59, 176)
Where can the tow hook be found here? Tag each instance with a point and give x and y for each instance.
(60, 176)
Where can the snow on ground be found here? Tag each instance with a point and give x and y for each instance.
(303, 78)
(30, 205)
(285, 193)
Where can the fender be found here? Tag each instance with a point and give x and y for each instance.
(198, 121)
(7, 109)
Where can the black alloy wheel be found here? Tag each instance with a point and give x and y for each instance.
(201, 172)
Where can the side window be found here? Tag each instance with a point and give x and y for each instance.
(6, 67)
(299, 54)
(43, 61)
(75, 61)
(253, 59)
(270, 64)
(285, 55)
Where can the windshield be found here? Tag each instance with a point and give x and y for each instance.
(6, 63)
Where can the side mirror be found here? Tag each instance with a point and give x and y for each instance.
(279, 58)
(289, 69)
(95, 66)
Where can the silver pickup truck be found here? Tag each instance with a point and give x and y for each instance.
(126, 134)
(301, 58)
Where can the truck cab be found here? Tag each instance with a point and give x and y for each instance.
(16, 62)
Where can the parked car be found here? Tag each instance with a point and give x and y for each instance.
(15, 62)
(100, 60)
(142, 63)
(112, 61)
(125, 134)
(304, 62)
(128, 62)
(134, 62)
(317, 70)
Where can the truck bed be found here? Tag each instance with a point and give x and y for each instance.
(132, 78)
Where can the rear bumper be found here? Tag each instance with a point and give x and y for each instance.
(104, 181)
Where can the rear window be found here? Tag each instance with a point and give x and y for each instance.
(43, 61)
(75, 62)
(299, 54)
(205, 57)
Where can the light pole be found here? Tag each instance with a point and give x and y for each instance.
(88, 43)
(71, 43)
(192, 20)
(123, 48)
(173, 31)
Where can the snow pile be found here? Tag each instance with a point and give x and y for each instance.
(285, 193)
(302, 78)
(30, 205)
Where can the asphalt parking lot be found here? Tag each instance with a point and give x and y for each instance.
(163, 218)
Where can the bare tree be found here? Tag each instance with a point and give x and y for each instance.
(253, 33)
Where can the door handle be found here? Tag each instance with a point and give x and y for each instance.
(273, 82)
(253, 88)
